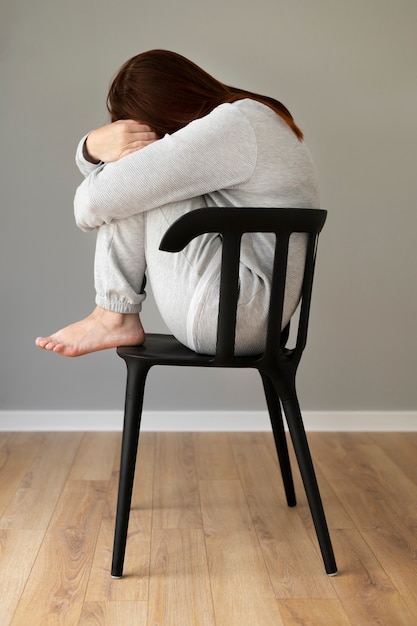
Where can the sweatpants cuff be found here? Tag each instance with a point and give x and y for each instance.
(118, 306)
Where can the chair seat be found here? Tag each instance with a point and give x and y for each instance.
(164, 349)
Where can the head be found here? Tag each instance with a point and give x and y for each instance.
(167, 91)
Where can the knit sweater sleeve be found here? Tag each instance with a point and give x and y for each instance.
(85, 166)
(212, 153)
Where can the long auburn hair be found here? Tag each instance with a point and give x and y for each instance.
(167, 91)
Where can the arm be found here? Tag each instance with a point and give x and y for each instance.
(212, 153)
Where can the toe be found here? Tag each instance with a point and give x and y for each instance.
(58, 347)
(50, 345)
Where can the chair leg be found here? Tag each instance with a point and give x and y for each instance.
(275, 415)
(302, 451)
(136, 377)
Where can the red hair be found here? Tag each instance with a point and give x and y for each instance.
(167, 91)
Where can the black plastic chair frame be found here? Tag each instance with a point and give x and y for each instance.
(277, 365)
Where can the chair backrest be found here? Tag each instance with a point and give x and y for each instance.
(231, 224)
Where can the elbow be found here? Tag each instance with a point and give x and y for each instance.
(86, 213)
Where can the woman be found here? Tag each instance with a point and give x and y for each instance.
(180, 140)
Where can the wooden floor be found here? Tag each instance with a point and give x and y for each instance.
(211, 540)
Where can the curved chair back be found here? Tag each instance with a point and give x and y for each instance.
(231, 224)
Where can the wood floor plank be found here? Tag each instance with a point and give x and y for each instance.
(180, 590)
(337, 454)
(395, 486)
(95, 458)
(235, 557)
(248, 438)
(18, 551)
(143, 488)
(397, 552)
(411, 603)
(55, 589)
(401, 448)
(176, 497)
(214, 457)
(312, 611)
(114, 614)
(294, 563)
(241, 588)
(36, 496)
(364, 587)
(369, 495)
(16, 456)
(224, 506)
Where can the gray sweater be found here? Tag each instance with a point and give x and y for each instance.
(241, 154)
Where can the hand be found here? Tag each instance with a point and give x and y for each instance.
(116, 140)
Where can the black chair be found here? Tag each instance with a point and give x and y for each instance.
(277, 365)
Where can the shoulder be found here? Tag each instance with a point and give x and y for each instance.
(255, 110)
(261, 116)
(225, 121)
(242, 111)
(227, 113)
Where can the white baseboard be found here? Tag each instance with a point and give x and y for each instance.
(204, 421)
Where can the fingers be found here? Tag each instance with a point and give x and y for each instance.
(138, 140)
(133, 136)
(134, 146)
(128, 127)
(113, 141)
(142, 134)
(136, 136)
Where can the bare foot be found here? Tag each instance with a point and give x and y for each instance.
(101, 330)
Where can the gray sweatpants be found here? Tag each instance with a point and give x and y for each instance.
(185, 284)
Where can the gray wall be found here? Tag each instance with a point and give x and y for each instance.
(347, 71)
